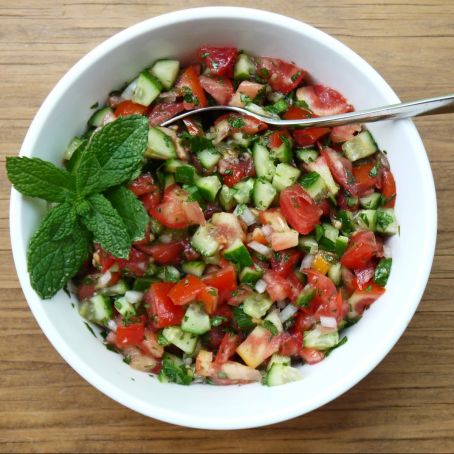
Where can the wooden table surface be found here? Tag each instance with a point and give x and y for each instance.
(405, 405)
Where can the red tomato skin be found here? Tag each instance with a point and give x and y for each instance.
(126, 108)
(360, 250)
(341, 169)
(164, 253)
(278, 287)
(220, 88)
(227, 348)
(238, 172)
(189, 85)
(340, 134)
(151, 199)
(224, 279)
(85, 291)
(298, 208)
(142, 185)
(324, 100)
(131, 334)
(281, 75)
(218, 60)
(283, 262)
(275, 138)
(364, 181)
(364, 275)
(164, 111)
(388, 188)
(325, 288)
(298, 113)
(308, 136)
(193, 127)
(291, 343)
(311, 356)
(160, 307)
(186, 290)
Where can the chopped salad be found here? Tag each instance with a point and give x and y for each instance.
(259, 245)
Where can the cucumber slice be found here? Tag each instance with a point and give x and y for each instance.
(366, 220)
(241, 139)
(208, 158)
(168, 274)
(321, 167)
(273, 317)
(263, 194)
(280, 374)
(124, 307)
(98, 309)
(387, 221)
(341, 245)
(256, 306)
(361, 146)
(278, 359)
(166, 71)
(334, 273)
(314, 185)
(171, 165)
(371, 201)
(285, 176)
(120, 288)
(147, 89)
(97, 119)
(346, 218)
(308, 244)
(203, 242)
(330, 232)
(196, 320)
(243, 190)
(209, 187)
(226, 198)
(319, 340)
(244, 67)
(306, 296)
(169, 179)
(175, 371)
(283, 153)
(250, 275)
(307, 155)
(142, 284)
(185, 174)
(264, 166)
(184, 341)
(160, 145)
(75, 143)
(238, 253)
(194, 267)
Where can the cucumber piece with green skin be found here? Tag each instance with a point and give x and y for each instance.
(212, 259)
(243, 190)
(283, 153)
(285, 176)
(306, 296)
(371, 201)
(142, 284)
(256, 306)
(321, 167)
(174, 370)
(196, 320)
(278, 359)
(250, 275)
(203, 242)
(226, 198)
(171, 165)
(166, 71)
(330, 232)
(281, 374)
(382, 271)
(120, 288)
(169, 179)
(238, 253)
(184, 341)
(147, 89)
(263, 194)
(98, 309)
(208, 158)
(124, 307)
(185, 174)
(160, 145)
(307, 155)
(97, 119)
(320, 340)
(241, 139)
(244, 67)
(366, 220)
(387, 221)
(194, 194)
(346, 218)
(209, 187)
(195, 267)
(279, 107)
(75, 143)
(168, 274)
(334, 273)
(361, 146)
(341, 245)
(308, 244)
(263, 164)
(273, 317)
(314, 185)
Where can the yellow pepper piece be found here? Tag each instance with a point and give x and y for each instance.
(320, 264)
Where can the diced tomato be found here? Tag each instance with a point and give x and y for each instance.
(189, 87)
(304, 321)
(296, 286)
(127, 108)
(388, 188)
(341, 169)
(345, 202)
(308, 136)
(311, 356)
(164, 111)
(194, 213)
(360, 299)
(298, 208)
(130, 334)
(189, 253)
(324, 286)
(247, 89)
(86, 290)
(257, 235)
(298, 113)
(343, 133)
(275, 139)
(361, 248)
(220, 88)
(194, 127)
(364, 180)
(325, 206)
(323, 100)
(218, 60)
(291, 343)
(239, 295)
(281, 75)
(278, 287)
(281, 241)
(106, 260)
(275, 219)
(364, 275)
(186, 290)
(160, 307)
(136, 263)
(151, 345)
(142, 185)
(209, 296)
(284, 262)
(227, 348)
(164, 253)
(224, 279)
(238, 171)
(151, 199)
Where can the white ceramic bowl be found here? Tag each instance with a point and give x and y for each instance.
(179, 34)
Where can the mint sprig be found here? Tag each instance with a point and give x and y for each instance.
(82, 214)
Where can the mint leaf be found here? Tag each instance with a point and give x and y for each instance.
(67, 225)
(109, 230)
(34, 177)
(52, 262)
(131, 210)
(112, 154)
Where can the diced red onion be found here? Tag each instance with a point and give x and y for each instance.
(133, 296)
(104, 279)
(260, 248)
(328, 322)
(386, 251)
(245, 214)
(267, 230)
(288, 312)
(307, 261)
(112, 325)
(260, 286)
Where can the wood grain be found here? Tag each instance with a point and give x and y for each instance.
(405, 405)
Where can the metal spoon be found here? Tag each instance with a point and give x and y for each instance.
(429, 106)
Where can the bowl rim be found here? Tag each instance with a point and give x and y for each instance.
(115, 392)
